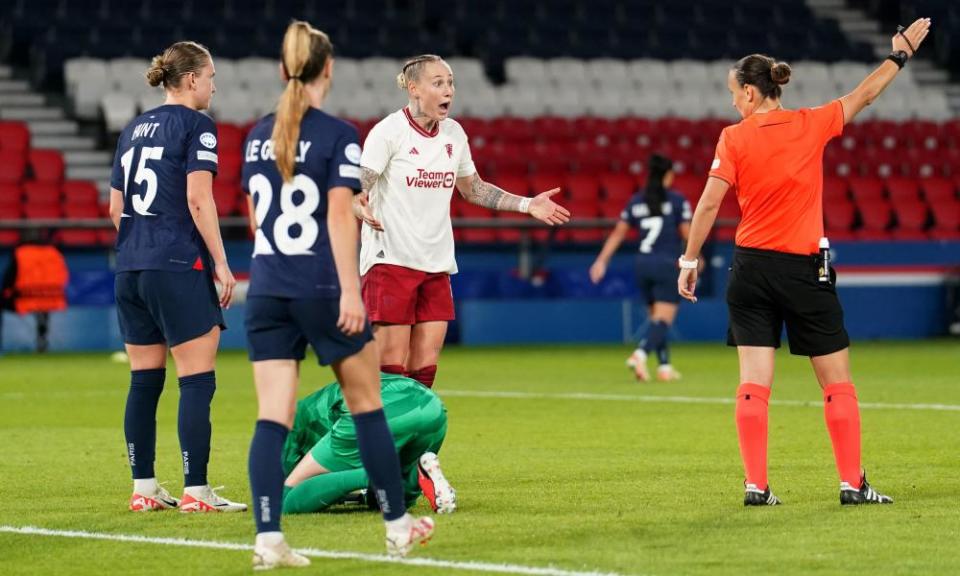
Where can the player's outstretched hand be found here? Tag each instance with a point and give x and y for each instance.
(366, 214)
(912, 36)
(227, 283)
(353, 316)
(598, 271)
(687, 283)
(544, 209)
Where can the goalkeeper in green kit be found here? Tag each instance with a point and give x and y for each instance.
(321, 461)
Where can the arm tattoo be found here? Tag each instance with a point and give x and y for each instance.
(489, 196)
(367, 179)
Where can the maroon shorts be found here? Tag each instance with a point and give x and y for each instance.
(399, 295)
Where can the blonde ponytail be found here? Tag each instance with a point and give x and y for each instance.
(304, 55)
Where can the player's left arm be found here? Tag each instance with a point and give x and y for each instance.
(542, 207)
(116, 207)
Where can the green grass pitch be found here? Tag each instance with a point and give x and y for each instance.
(612, 481)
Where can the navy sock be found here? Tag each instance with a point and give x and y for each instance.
(656, 335)
(266, 474)
(663, 351)
(193, 425)
(379, 457)
(140, 419)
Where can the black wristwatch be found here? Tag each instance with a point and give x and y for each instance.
(898, 57)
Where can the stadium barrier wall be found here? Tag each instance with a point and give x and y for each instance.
(889, 290)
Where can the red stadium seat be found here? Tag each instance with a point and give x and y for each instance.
(921, 163)
(582, 187)
(618, 187)
(875, 216)
(552, 128)
(881, 162)
(866, 189)
(834, 189)
(226, 195)
(107, 237)
(937, 190)
(903, 189)
(79, 236)
(41, 193)
(13, 166)
(228, 169)
(512, 129)
(14, 137)
(946, 219)
(80, 192)
(838, 215)
(691, 186)
(47, 165)
(10, 195)
(911, 214)
(923, 134)
(42, 211)
(582, 210)
(538, 183)
(10, 212)
(229, 138)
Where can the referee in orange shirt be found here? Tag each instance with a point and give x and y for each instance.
(773, 159)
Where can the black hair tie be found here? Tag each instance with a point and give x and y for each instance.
(900, 30)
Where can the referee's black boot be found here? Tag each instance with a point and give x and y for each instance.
(754, 496)
(850, 496)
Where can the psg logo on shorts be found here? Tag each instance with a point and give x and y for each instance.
(449, 148)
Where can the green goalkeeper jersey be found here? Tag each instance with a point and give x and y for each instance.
(319, 412)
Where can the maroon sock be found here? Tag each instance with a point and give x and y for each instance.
(425, 375)
(397, 369)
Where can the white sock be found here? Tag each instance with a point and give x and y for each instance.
(195, 491)
(401, 524)
(269, 539)
(145, 486)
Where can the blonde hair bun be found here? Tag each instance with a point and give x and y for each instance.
(402, 81)
(156, 73)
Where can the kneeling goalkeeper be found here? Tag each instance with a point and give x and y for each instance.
(322, 463)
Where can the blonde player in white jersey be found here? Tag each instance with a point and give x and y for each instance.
(411, 162)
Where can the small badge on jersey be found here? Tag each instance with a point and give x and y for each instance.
(207, 156)
(349, 171)
(208, 140)
(352, 152)
(449, 149)
(716, 164)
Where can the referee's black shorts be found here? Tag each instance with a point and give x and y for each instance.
(768, 289)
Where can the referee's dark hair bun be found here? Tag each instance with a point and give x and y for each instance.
(763, 73)
(780, 73)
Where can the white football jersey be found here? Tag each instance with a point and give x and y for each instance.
(418, 172)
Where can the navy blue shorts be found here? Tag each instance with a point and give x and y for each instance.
(157, 306)
(657, 280)
(281, 328)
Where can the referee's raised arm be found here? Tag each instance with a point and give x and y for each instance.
(905, 44)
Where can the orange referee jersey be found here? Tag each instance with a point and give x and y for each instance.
(774, 161)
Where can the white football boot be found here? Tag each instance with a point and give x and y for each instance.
(438, 492)
(206, 499)
(404, 532)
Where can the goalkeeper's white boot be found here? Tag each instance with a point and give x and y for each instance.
(272, 551)
(438, 492)
(158, 499)
(205, 499)
(638, 363)
(404, 532)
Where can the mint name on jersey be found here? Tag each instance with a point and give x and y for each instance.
(264, 150)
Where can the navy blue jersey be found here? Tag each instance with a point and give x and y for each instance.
(659, 235)
(154, 155)
(291, 254)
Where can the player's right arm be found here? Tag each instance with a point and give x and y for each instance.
(878, 80)
(116, 207)
(599, 268)
(361, 202)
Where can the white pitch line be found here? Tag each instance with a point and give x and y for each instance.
(312, 552)
(676, 399)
